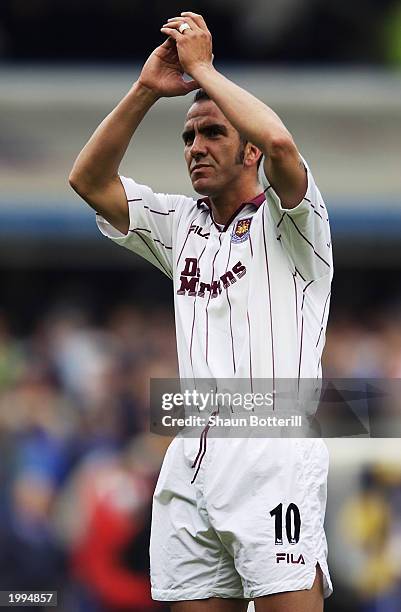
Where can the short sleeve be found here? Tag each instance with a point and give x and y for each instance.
(153, 219)
(304, 231)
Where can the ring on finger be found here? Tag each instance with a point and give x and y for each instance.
(184, 26)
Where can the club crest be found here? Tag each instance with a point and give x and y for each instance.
(241, 230)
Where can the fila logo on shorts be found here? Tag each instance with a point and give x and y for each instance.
(290, 558)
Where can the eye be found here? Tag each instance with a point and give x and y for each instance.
(212, 132)
(188, 139)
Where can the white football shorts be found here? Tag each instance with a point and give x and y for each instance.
(251, 524)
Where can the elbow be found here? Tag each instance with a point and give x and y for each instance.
(77, 182)
(73, 181)
(281, 147)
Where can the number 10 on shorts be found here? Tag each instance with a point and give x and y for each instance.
(292, 523)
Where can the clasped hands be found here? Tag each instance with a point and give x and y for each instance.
(194, 43)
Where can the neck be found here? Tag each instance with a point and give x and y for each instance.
(224, 206)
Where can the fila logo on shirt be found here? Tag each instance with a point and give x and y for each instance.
(193, 286)
(197, 229)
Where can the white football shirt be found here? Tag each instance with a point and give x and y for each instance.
(251, 298)
(251, 303)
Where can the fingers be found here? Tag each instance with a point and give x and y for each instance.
(175, 34)
(191, 85)
(168, 43)
(175, 22)
(194, 20)
(198, 19)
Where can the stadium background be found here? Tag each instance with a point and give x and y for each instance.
(84, 325)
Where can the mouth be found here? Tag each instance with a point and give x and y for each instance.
(200, 167)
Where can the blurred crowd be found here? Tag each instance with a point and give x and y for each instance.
(285, 31)
(78, 466)
(364, 347)
(368, 528)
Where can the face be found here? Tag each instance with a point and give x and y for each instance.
(212, 149)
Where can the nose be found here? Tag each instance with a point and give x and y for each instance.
(198, 148)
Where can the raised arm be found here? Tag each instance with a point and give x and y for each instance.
(94, 175)
(258, 123)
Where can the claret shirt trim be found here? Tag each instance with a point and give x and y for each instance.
(256, 201)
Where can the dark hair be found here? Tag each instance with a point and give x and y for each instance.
(201, 95)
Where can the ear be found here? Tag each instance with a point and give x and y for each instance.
(252, 154)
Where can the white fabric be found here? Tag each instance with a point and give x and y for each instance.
(270, 321)
(251, 302)
(216, 538)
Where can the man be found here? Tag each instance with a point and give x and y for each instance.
(233, 519)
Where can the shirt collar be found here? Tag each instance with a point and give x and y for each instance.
(256, 201)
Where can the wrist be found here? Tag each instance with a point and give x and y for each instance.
(147, 94)
(200, 72)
